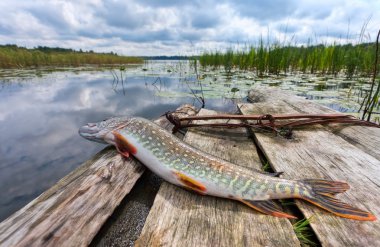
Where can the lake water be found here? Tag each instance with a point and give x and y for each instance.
(41, 111)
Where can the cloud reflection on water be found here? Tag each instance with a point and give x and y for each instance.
(38, 126)
(40, 117)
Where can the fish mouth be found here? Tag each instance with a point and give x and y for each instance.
(91, 132)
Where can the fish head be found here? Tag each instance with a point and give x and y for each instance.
(103, 131)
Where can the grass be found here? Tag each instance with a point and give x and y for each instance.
(304, 232)
(278, 58)
(266, 167)
(12, 56)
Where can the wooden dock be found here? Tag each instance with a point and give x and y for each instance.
(79, 208)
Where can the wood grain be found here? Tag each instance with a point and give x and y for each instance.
(316, 152)
(179, 217)
(72, 211)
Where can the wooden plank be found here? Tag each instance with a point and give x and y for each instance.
(318, 153)
(179, 217)
(364, 138)
(72, 211)
(124, 226)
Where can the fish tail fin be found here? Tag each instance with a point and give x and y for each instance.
(327, 186)
(322, 195)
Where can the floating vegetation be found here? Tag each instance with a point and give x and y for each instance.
(172, 94)
(336, 92)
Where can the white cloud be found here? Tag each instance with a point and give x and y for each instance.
(174, 28)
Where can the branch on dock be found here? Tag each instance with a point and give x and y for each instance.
(279, 123)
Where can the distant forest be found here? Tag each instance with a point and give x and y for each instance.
(13, 56)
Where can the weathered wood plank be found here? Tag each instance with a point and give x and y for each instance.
(124, 226)
(360, 136)
(72, 211)
(179, 217)
(318, 153)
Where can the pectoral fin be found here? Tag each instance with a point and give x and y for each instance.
(123, 146)
(190, 183)
(268, 207)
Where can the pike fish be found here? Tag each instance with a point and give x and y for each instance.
(183, 165)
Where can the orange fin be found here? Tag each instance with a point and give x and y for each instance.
(191, 183)
(322, 195)
(267, 207)
(340, 208)
(123, 146)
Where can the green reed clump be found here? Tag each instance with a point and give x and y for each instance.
(304, 232)
(12, 56)
(371, 101)
(279, 58)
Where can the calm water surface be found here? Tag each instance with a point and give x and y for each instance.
(41, 111)
(40, 115)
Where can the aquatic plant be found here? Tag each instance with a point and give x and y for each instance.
(279, 58)
(372, 98)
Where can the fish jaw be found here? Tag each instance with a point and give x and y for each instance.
(103, 131)
(92, 132)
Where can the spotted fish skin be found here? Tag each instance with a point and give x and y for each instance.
(185, 166)
(168, 156)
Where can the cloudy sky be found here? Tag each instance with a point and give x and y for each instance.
(169, 27)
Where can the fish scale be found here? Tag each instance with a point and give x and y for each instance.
(180, 157)
(193, 169)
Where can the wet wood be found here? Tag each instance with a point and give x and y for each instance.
(317, 152)
(179, 217)
(72, 211)
(359, 136)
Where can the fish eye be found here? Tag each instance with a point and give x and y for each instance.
(106, 119)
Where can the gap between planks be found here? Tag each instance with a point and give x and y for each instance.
(316, 152)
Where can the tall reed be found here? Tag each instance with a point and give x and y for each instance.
(280, 58)
(372, 98)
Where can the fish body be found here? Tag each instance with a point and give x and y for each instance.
(188, 167)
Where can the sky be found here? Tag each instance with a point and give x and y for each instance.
(168, 27)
